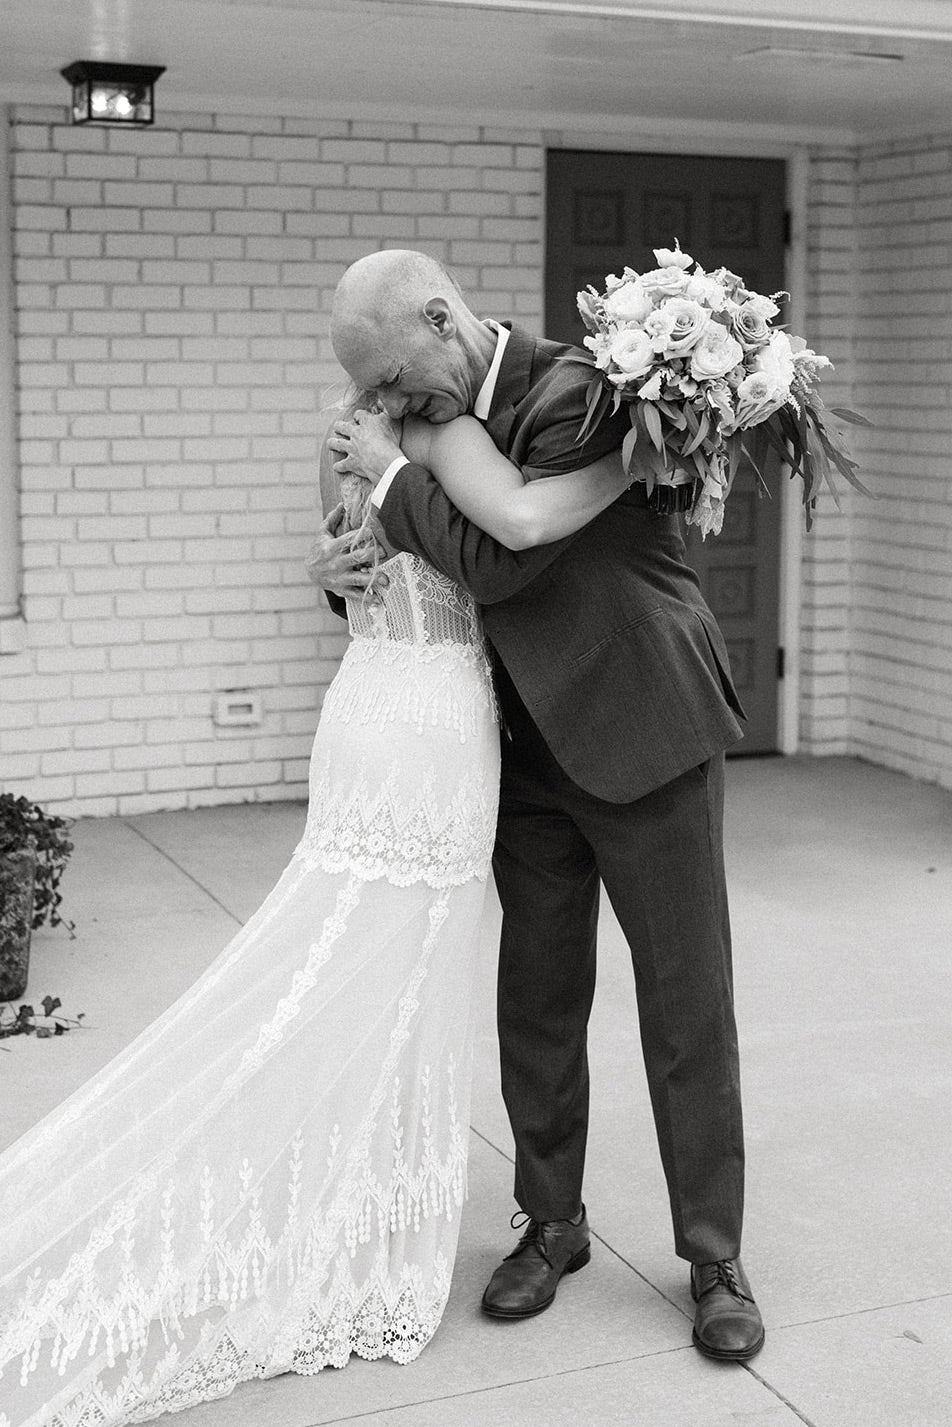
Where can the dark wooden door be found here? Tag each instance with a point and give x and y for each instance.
(606, 211)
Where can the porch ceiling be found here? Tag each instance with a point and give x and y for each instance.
(581, 64)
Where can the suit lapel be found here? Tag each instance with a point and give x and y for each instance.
(512, 385)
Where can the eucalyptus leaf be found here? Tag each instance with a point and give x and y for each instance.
(704, 426)
(577, 359)
(653, 424)
(628, 448)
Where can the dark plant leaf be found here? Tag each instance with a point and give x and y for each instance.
(754, 462)
(844, 413)
(628, 448)
(678, 416)
(836, 453)
(577, 359)
(598, 400)
(703, 427)
(652, 421)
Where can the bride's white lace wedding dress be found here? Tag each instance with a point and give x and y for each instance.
(270, 1177)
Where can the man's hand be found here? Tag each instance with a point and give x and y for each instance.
(366, 445)
(342, 564)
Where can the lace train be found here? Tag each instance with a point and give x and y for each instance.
(270, 1178)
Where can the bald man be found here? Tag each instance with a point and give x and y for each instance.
(617, 705)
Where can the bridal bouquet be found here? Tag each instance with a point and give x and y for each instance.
(696, 359)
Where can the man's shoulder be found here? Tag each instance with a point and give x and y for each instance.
(549, 412)
(559, 371)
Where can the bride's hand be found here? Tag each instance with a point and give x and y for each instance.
(365, 445)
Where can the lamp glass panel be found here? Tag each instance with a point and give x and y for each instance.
(120, 104)
(80, 102)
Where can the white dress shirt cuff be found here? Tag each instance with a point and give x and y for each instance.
(379, 493)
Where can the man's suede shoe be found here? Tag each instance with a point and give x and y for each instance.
(727, 1322)
(526, 1280)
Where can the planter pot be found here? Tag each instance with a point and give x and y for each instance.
(17, 874)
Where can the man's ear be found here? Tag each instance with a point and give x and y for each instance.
(439, 316)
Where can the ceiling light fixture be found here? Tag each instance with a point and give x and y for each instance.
(112, 93)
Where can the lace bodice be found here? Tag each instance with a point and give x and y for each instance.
(420, 606)
(416, 680)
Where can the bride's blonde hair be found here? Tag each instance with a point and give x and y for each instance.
(355, 491)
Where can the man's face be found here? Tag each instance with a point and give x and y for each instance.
(415, 375)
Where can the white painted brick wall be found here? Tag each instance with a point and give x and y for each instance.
(877, 613)
(901, 698)
(173, 287)
(825, 614)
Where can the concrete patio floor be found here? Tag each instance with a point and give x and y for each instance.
(841, 886)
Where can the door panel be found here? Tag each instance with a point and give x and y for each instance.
(606, 211)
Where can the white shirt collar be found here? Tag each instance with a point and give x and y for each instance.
(484, 397)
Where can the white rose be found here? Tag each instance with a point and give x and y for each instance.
(715, 354)
(613, 280)
(672, 257)
(775, 360)
(665, 282)
(750, 327)
(628, 303)
(658, 326)
(756, 301)
(701, 288)
(632, 353)
(728, 280)
(689, 325)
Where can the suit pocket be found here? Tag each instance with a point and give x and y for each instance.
(718, 652)
(621, 629)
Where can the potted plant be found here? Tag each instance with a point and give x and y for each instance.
(34, 849)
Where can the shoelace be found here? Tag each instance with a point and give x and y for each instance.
(724, 1277)
(532, 1235)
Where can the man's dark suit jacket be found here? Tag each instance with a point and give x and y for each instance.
(604, 634)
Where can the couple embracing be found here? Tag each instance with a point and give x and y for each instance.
(616, 705)
(269, 1178)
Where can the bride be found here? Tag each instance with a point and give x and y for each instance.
(269, 1178)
